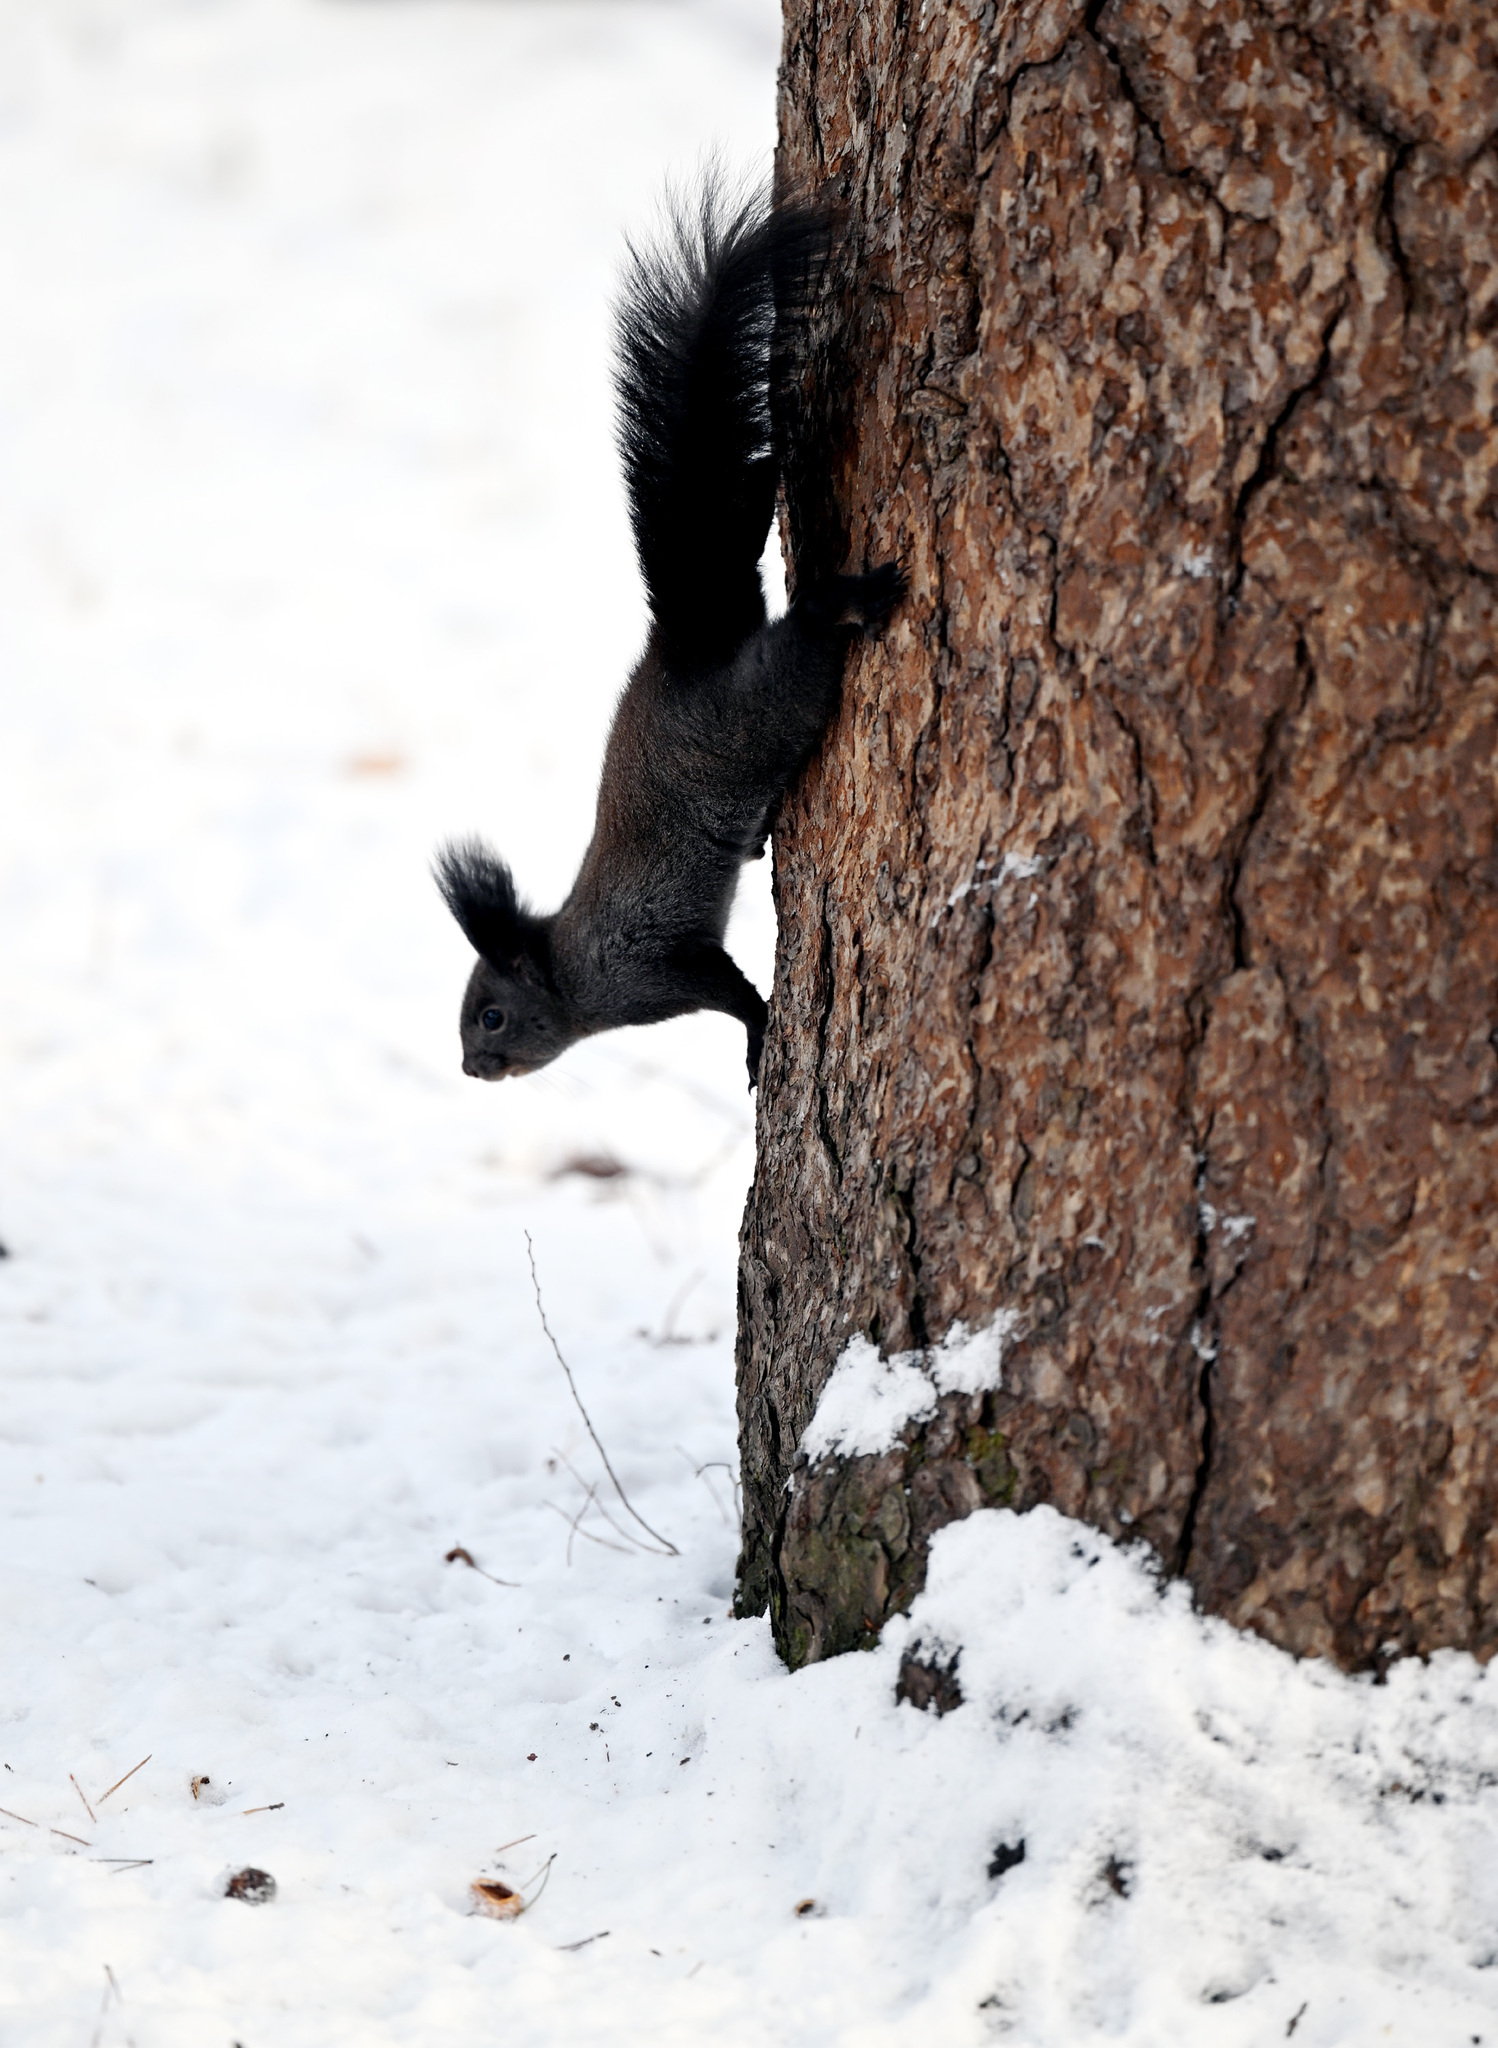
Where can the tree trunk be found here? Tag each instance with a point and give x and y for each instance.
(1138, 968)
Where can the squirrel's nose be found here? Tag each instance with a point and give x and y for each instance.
(469, 1067)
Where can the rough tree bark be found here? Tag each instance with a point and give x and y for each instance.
(1139, 924)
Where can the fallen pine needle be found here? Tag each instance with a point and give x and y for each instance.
(569, 1947)
(111, 1990)
(126, 1779)
(543, 1873)
(86, 1807)
(130, 1863)
(458, 1555)
(498, 1852)
(20, 1817)
(70, 1838)
(275, 1808)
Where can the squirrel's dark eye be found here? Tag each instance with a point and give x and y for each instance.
(492, 1019)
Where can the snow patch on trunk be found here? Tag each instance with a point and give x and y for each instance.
(869, 1400)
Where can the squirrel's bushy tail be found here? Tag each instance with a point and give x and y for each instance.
(705, 320)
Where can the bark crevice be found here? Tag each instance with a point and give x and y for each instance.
(1263, 471)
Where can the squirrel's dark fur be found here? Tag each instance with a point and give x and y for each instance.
(723, 709)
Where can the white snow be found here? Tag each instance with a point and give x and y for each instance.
(966, 888)
(869, 1400)
(1233, 1227)
(312, 552)
(1195, 562)
(1018, 867)
(1013, 867)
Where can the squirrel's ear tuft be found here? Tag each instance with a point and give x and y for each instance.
(480, 892)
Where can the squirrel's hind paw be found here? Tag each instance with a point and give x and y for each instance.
(856, 600)
(870, 599)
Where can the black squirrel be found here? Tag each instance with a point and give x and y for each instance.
(723, 708)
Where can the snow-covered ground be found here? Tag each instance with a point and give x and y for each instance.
(311, 552)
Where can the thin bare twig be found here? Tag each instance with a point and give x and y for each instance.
(592, 1492)
(20, 1817)
(718, 1465)
(669, 1549)
(70, 1838)
(734, 1482)
(678, 1303)
(572, 1523)
(126, 1779)
(697, 1472)
(591, 1500)
(86, 1807)
(572, 1526)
